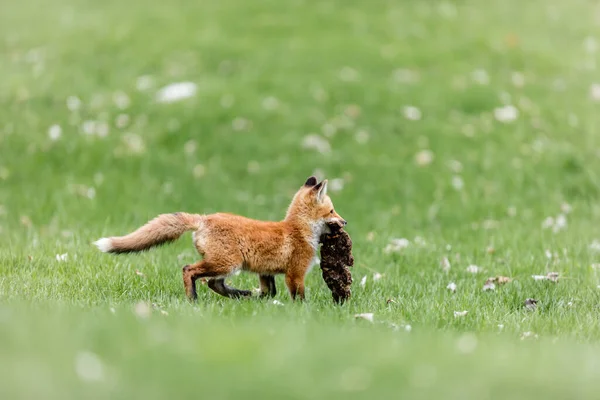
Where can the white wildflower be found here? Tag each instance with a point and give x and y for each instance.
(367, 316)
(396, 245)
(73, 103)
(316, 142)
(480, 76)
(55, 132)
(363, 281)
(506, 113)
(445, 264)
(89, 367)
(411, 113)
(473, 269)
(176, 92)
(424, 157)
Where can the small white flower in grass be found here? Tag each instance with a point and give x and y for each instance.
(54, 132)
(134, 143)
(467, 343)
(336, 185)
(270, 103)
(122, 121)
(473, 269)
(452, 287)
(227, 101)
(139, 273)
(328, 130)
(277, 303)
(500, 326)
(363, 281)
(411, 113)
(480, 76)
(396, 245)
(89, 367)
(121, 100)
(253, 167)
(552, 276)
(457, 182)
(240, 124)
(142, 309)
(101, 129)
(595, 245)
(348, 74)
(445, 264)
(367, 316)
(528, 335)
(595, 91)
(316, 142)
(377, 276)
(548, 223)
(424, 157)
(560, 223)
(407, 328)
(538, 277)
(573, 120)
(176, 92)
(506, 114)
(405, 76)
(89, 127)
(61, 257)
(190, 147)
(590, 44)
(458, 314)
(73, 103)
(455, 166)
(489, 286)
(518, 79)
(361, 137)
(447, 10)
(144, 82)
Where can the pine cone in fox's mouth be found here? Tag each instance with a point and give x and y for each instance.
(336, 257)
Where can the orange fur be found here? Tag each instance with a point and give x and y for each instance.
(231, 242)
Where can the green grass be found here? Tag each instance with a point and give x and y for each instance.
(268, 74)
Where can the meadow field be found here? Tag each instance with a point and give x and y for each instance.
(460, 142)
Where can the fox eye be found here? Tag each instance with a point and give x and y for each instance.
(331, 212)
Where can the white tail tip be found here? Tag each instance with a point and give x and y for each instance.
(104, 245)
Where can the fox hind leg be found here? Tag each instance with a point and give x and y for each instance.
(201, 269)
(219, 286)
(267, 286)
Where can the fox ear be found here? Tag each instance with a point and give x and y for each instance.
(311, 181)
(321, 190)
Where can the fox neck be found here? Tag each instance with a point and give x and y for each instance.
(311, 231)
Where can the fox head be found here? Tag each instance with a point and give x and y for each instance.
(312, 204)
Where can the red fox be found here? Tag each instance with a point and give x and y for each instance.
(228, 243)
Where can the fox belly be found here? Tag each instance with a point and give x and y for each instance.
(240, 243)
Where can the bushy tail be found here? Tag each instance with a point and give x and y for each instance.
(162, 229)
